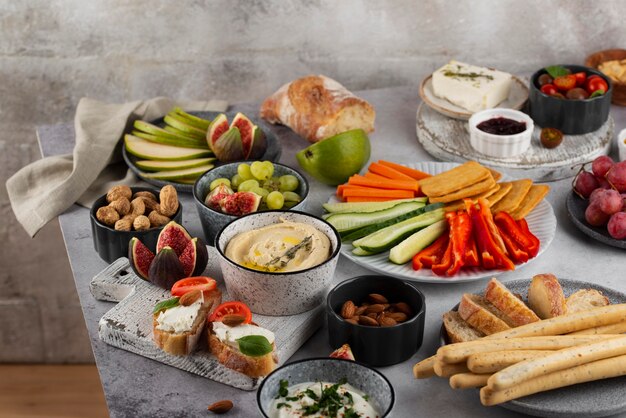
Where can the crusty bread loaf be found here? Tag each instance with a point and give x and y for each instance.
(317, 107)
(586, 299)
(458, 330)
(234, 359)
(509, 304)
(482, 315)
(545, 296)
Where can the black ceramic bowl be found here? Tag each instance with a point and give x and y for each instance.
(573, 117)
(111, 244)
(376, 346)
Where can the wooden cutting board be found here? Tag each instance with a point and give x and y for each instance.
(128, 325)
(448, 140)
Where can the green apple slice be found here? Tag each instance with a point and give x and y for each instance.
(187, 180)
(192, 120)
(183, 127)
(152, 165)
(151, 129)
(185, 173)
(179, 142)
(147, 150)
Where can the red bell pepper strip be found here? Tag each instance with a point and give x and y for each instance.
(446, 261)
(515, 252)
(534, 249)
(471, 253)
(491, 254)
(431, 254)
(507, 224)
(460, 232)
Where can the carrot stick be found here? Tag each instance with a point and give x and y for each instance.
(373, 176)
(369, 192)
(385, 171)
(358, 180)
(368, 199)
(415, 174)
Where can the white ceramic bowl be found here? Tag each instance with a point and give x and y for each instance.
(277, 293)
(621, 144)
(500, 146)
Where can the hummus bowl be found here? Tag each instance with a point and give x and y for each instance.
(279, 292)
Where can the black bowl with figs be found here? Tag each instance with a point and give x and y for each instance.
(574, 108)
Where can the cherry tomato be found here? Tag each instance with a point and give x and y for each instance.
(551, 137)
(205, 284)
(581, 77)
(548, 89)
(565, 82)
(596, 83)
(232, 307)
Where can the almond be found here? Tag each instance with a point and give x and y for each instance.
(397, 316)
(376, 308)
(378, 298)
(221, 407)
(360, 310)
(189, 298)
(404, 308)
(233, 320)
(366, 320)
(387, 321)
(353, 321)
(348, 309)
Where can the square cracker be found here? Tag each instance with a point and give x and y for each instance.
(495, 174)
(514, 197)
(536, 193)
(455, 179)
(474, 189)
(505, 187)
(460, 204)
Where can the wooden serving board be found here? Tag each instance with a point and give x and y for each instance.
(448, 139)
(128, 325)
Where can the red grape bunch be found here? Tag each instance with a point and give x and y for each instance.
(605, 187)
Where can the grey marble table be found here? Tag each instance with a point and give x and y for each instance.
(135, 386)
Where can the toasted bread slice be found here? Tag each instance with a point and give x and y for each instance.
(482, 315)
(509, 304)
(236, 360)
(545, 296)
(184, 343)
(586, 299)
(458, 330)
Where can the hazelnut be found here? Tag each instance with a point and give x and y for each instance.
(107, 215)
(141, 223)
(121, 205)
(117, 192)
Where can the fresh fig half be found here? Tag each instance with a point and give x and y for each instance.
(194, 258)
(218, 194)
(229, 147)
(140, 257)
(259, 144)
(217, 129)
(166, 269)
(240, 203)
(344, 352)
(246, 131)
(174, 236)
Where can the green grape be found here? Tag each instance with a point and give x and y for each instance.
(270, 168)
(244, 171)
(275, 200)
(291, 197)
(289, 205)
(248, 185)
(272, 184)
(261, 192)
(236, 181)
(217, 182)
(260, 170)
(288, 183)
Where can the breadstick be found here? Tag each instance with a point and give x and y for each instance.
(425, 368)
(618, 328)
(601, 369)
(446, 370)
(468, 380)
(456, 353)
(498, 360)
(558, 360)
(564, 324)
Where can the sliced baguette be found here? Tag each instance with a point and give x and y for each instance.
(509, 304)
(586, 299)
(236, 360)
(545, 296)
(482, 315)
(458, 330)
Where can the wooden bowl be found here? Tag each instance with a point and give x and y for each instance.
(619, 89)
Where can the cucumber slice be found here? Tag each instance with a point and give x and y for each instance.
(366, 230)
(152, 151)
(367, 206)
(348, 222)
(177, 141)
(358, 251)
(185, 173)
(405, 251)
(388, 237)
(151, 165)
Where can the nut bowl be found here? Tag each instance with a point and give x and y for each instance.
(595, 59)
(277, 293)
(213, 221)
(376, 345)
(500, 146)
(111, 244)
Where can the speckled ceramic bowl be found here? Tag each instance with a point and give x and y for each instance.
(212, 221)
(372, 382)
(277, 293)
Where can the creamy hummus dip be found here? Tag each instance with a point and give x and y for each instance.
(282, 247)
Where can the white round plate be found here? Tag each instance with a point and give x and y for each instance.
(541, 222)
(517, 97)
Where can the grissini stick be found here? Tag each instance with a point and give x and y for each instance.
(618, 328)
(597, 370)
(468, 380)
(493, 362)
(446, 370)
(425, 368)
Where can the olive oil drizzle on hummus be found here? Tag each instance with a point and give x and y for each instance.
(278, 263)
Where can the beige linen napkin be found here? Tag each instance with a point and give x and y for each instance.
(45, 188)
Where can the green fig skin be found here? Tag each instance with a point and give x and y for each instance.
(229, 147)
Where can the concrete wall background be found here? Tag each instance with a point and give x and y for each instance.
(52, 53)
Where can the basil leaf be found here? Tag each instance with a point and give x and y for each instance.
(254, 345)
(596, 93)
(166, 304)
(557, 71)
